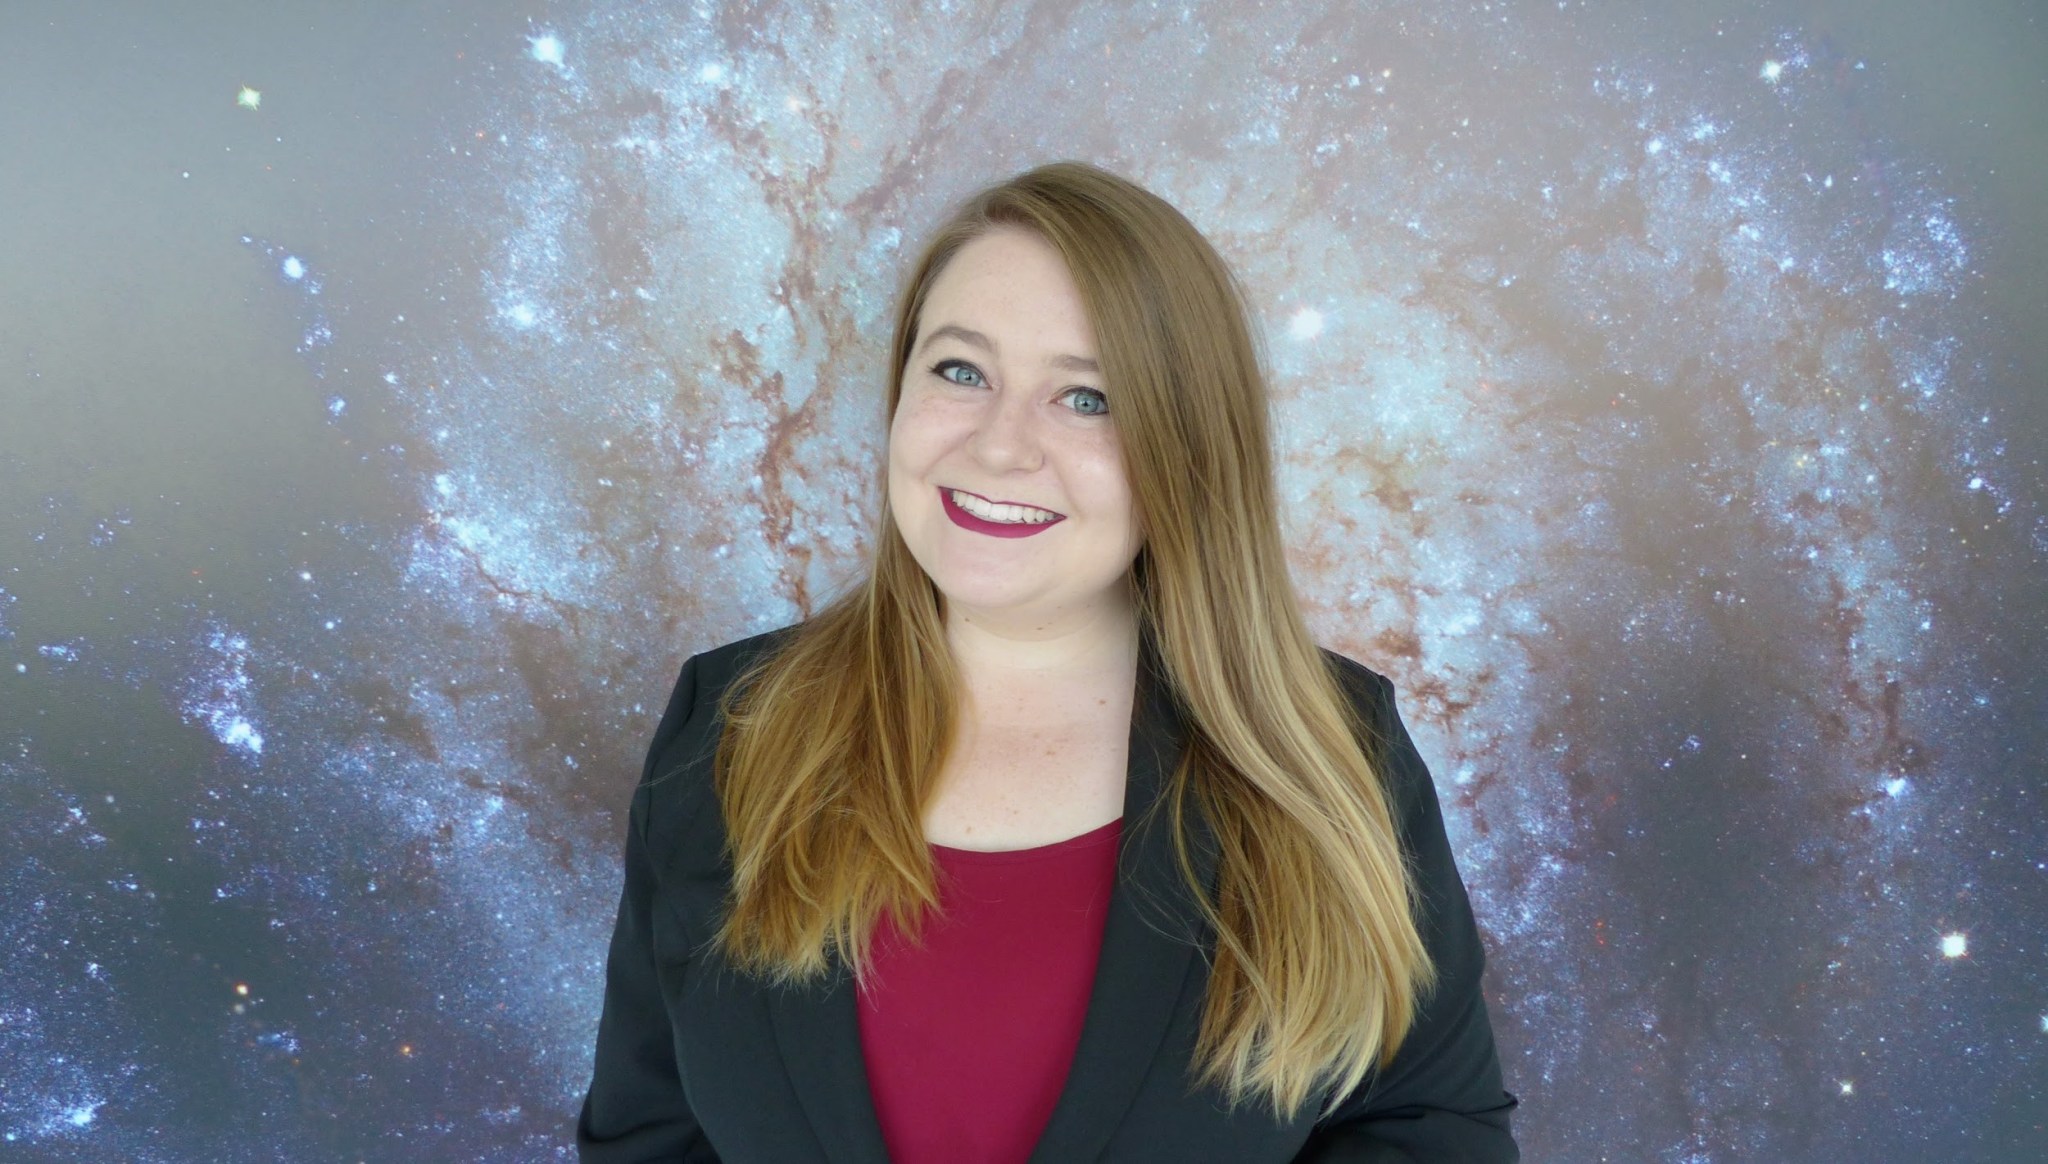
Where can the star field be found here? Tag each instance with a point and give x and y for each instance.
(1642, 412)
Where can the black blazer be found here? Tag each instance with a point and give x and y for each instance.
(697, 1062)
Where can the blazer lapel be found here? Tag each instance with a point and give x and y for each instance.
(817, 1029)
(1148, 940)
(1139, 979)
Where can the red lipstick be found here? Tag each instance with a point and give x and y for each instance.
(995, 529)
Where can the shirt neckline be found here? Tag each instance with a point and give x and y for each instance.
(1088, 840)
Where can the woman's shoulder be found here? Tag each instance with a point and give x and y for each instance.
(701, 685)
(1388, 743)
(675, 801)
(708, 673)
(1371, 692)
(720, 665)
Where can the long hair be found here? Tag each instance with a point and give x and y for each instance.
(833, 743)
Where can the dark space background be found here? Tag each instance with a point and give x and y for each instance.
(393, 395)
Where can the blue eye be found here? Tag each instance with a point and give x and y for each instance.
(943, 366)
(940, 369)
(1101, 402)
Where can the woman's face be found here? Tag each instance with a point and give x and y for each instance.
(1002, 399)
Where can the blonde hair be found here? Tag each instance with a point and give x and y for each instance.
(832, 743)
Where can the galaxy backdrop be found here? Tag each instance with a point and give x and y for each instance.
(392, 396)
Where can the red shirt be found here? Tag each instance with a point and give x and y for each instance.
(968, 1040)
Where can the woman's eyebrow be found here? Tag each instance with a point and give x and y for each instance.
(970, 336)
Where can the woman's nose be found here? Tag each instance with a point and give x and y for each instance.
(1006, 437)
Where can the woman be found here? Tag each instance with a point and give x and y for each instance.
(1057, 838)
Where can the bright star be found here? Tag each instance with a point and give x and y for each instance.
(1955, 945)
(248, 98)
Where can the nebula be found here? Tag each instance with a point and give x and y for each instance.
(1630, 409)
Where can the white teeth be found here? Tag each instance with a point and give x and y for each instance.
(1010, 514)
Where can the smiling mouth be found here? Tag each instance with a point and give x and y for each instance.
(950, 490)
(1011, 524)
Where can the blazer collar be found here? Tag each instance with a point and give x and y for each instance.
(1148, 944)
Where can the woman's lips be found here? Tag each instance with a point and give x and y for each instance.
(995, 529)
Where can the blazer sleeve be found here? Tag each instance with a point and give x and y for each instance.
(1441, 1098)
(635, 1109)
